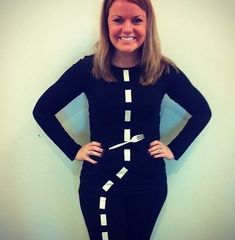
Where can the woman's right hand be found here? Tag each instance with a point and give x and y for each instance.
(90, 149)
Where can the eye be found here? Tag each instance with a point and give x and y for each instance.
(117, 20)
(137, 20)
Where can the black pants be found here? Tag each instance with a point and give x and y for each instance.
(125, 217)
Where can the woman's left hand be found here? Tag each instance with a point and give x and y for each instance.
(158, 149)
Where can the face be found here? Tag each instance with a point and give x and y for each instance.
(127, 26)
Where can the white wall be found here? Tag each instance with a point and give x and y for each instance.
(38, 185)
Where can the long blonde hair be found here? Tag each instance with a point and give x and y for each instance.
(152, 62)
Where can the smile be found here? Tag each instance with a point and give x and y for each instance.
(131, 38)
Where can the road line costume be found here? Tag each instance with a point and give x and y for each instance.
(122, 195)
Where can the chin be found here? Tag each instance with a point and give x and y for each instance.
(127, 50)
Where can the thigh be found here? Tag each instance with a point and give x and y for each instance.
(142, 214)
(105, 220)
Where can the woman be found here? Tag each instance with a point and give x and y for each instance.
(123, 180)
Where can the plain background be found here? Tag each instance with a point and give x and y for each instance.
(38, 184)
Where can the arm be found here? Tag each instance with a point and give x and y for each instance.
(186, 95)
(69, 86)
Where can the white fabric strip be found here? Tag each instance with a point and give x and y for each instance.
(128, 96)
(102, 202)
(127, 155)
(108, 185)
(103, 219)
(105, 236)
(127, 116)
(126, 75)
(122, 172)
(127, 135)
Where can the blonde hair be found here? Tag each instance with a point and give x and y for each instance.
(152, 62)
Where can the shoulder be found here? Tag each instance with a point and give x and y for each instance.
(85, 63)
(171, 70)
(173, 73)
(176, 80)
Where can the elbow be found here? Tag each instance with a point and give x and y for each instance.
(42, 114)
(203, 116)
(37, 113)
(208, 115)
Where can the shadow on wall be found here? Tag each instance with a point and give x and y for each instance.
(74, 118)
(173, 120)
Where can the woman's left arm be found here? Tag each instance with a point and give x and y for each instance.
(181, 90)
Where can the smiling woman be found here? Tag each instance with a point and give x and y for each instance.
(123, 183)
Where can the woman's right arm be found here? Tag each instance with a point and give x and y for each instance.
(71, 84)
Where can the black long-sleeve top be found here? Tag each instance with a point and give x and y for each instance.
(107, 107)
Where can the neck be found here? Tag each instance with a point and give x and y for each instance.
(125, 59)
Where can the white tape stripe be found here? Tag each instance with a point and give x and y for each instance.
(108, 185)
(126, 75)
(127, 155)
(127, 116)
(127, 135)
(105, 236)
(122, 172)
(103, 219)
(128, 96)
(102, 202)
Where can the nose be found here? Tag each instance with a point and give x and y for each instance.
(127, 27)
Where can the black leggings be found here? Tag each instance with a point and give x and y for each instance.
(123, 216)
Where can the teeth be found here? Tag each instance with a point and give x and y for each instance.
(127, 38)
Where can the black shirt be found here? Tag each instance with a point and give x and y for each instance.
(109, 106)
